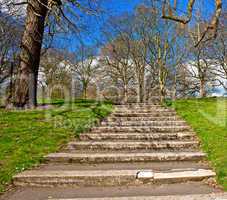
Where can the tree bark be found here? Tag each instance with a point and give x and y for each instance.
(10, 95)
(202, 88)
(125, 93)
(141, 87)
(26, 85)
(162, 82)
(85, 86)
(162, 92)
(141, 93)
(174, 94)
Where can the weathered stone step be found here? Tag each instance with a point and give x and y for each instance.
(108, 177)
(141, 109)
(210, 196)
(141, 129)
(130, 145)
(124, 157)
(126, 119)
(132, 111)
(153, 114)
(154, 165)
(145, 123)
(138, 136)
(182, 189)
(138, 106)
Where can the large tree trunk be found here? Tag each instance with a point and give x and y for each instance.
(141, 93)
(10, 95)
(202, 89)
(26, 85)
(125, 93)
(85, 87)
(174, 94)
(162, 82)
(141, 87)
(162, 92)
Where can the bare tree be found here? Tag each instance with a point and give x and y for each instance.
(85, 66)
(213, 26)
(37, 13)
(161, 40)
(10, 34)
(201, 61)
(148, 43)
(9, 46)
(117, 62)
(218, 52)
(54, 72)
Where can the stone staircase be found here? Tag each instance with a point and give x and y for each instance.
(138, 148)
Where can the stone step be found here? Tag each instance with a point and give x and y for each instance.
(124, 157)
(141, 119)
(210, 196)
(133, 145)
(117, 192)
(154, 165)
(138, 106)
(102, 178)
(145, 123)
(153, 114)
(146, 111)
(143, 109)
(138, 136)
(141, 129)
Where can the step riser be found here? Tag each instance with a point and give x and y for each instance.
(151, 112)
(212, 196)
(78, 182)
(138, 106)
(140, 129)
(141, 108)
(145, 137)
(127, 179)
(118, 147)
(97, 160)
(144, 111)
(99, 182)
(141, 119)
(158, 114)
(144, 123)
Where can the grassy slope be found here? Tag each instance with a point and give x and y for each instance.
(208, 117)
(26, 136)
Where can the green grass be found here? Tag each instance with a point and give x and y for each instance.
(208, 117)
(26, 136)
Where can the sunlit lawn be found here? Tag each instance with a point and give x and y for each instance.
(26, 136)
(208, 117)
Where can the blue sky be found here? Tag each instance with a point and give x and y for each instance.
(118, 7)
(109, 8)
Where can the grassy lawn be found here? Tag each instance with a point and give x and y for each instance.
(208, 117)
(26, 136)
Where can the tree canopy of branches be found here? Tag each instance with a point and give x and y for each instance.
(118, 65)
(213, 26)
(9, 46)
(38, 14)
(10, 35)
(85, 66)
(141, 50)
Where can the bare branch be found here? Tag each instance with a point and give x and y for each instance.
(213, 26)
